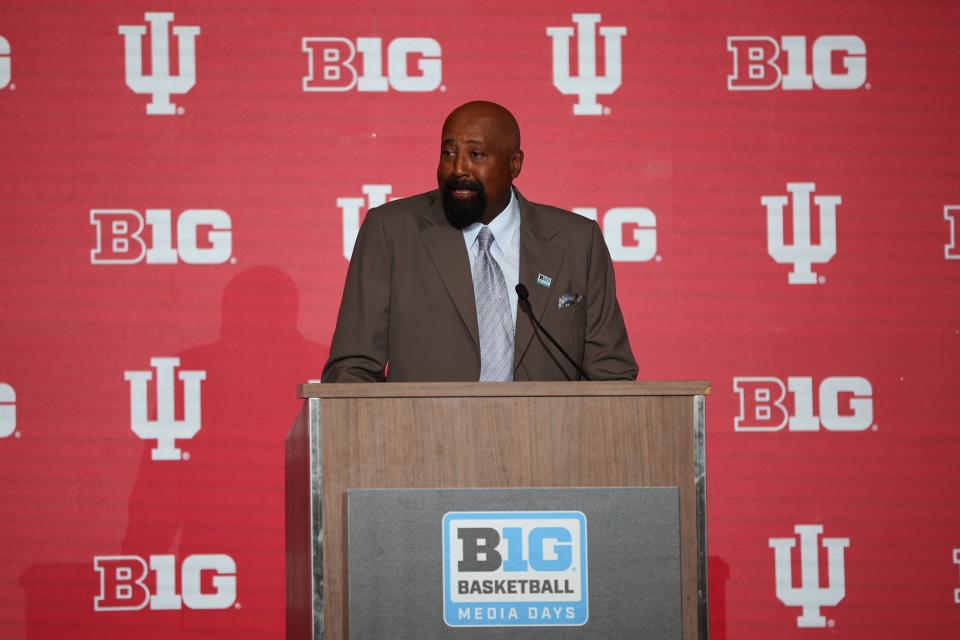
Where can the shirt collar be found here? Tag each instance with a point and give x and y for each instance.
(503, 227)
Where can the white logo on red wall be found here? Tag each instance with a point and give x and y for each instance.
(131, 583)
(161, 83)
(203, 236)
(4, 63)
(956, 561)
(374, 196)
(337, 64)
(630, 232)
(8, 411)
(951, 214)
(844, 403)
(587, 84)
(810, 594)
(760, 63)
(166, 428)
(802, 251)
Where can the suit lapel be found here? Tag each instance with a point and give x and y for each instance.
(538, 256)
(447, 251)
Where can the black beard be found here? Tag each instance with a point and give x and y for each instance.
(463, 213)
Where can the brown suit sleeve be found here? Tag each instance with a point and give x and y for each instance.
(606, 350)
(358, 352)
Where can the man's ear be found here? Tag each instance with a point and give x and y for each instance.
(516, 163)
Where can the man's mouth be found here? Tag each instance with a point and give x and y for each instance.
(465, 191)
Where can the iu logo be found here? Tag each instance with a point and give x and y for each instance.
(810, 595)
(757, 65)
(803, 252)
(207, 581)
(204, 236)
(8, 410)
(956, 561)
(376, 195)
(160, 83)
(845, 404)
(166, 429)
(4, 63)
(331, 66)
(587, 85)
(952, 250)
(630, 232)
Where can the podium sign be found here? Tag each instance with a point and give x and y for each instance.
(507, 563)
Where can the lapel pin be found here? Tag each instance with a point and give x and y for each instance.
(544, 281)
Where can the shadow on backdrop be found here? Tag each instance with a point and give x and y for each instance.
(224, 498)
(718, 573)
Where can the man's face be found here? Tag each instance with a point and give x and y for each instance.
(477, 166)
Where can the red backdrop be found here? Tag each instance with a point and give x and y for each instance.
(744, 142)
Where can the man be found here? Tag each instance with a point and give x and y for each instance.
(431, 289)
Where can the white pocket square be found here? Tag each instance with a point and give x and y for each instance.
(568, 299)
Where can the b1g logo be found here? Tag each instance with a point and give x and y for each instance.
(515, 568)
(951, 251)
(629, 232)
(810, 595)
(803, 252)
(839, 62)
(166, 429)
(160, 84)
(204, 236)
(587, 84)
(332, 66)
(8, 410)
(845, 403)
(128, 583)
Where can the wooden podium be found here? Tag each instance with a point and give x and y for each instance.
(518, 434)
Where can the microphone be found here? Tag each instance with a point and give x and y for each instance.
(524, 299)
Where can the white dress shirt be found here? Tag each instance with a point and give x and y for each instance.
(505, 249)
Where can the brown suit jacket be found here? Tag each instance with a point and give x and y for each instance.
(408, 311)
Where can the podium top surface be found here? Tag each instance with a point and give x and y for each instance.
(503, 389)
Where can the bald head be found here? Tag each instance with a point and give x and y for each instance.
(480, 156)
(500, 121)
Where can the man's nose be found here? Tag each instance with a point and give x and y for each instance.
(460, 165)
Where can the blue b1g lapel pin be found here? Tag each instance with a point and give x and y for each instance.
(544, 281)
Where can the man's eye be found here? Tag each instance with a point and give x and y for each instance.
(448, 153)
(476, 154)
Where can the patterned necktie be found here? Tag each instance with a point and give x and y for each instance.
(494, 319)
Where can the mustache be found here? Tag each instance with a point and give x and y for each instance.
(462, 184)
